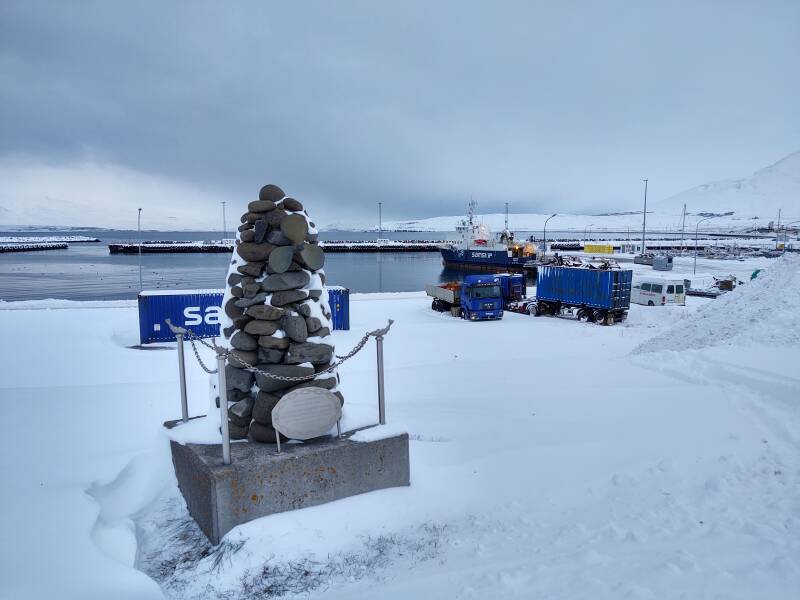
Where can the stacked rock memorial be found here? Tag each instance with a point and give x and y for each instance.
(276, 313)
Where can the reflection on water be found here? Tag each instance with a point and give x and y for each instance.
(89, 272)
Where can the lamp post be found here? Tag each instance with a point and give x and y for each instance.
(589, 226)
(139, 233)
(544, 235)
(224, 226)
(644, 217)
(696, 229)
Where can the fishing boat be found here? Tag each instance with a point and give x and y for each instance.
(475, 247)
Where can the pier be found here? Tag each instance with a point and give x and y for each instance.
(177, 247)
(33, 247)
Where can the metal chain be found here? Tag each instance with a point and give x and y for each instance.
(248, 367)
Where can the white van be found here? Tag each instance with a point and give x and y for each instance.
(658, 292)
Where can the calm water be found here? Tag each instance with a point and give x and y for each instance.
(86, 271)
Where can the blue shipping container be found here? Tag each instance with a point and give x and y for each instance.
(339, 301)
(200, 311)
(585, 287)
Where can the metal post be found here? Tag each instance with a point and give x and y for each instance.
(544, 236)
(223, 410)
(644, 217)
(506, 216)
(381, 397)
(182, 370)
(380, 220)
(696, 229)
(683, 226)
(777, 231)
(224, 225)
(139, 232)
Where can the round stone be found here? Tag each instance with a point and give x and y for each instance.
(280, 258)
(272, 193)
(313, 256)
(308, 352)
(245, 227)
(247, 236)
(267, 313)
(287, 297)
(295, 227)
(252, 252)
(275, 217)
(237, 292)
(291, 280)
(295, 327)
(259, 327)
(277, 238)
(238, 379)
(270, 356)
(260, 206)
(251, 289)
(292, 204)
(254, 269)
(262, 409)
(238, 358)
(237, 432)
(259, 230)
(313, 324)
(264, 434)
(243, 341)
(234, 279)
(273, 343)
(269, 384)
(232, 310)
(257, 299)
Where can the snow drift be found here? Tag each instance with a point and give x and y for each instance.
(762, 311)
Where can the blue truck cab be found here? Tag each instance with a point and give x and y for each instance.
(481, 298)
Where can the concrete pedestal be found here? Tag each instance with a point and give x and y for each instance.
(261, 482)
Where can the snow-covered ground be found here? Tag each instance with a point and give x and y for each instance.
(550, 459)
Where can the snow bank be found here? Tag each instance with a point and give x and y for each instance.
(763, 311)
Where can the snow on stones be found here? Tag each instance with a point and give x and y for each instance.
(272, 303)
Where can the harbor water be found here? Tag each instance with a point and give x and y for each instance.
(86, 271)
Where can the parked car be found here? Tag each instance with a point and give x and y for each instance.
(658, 292)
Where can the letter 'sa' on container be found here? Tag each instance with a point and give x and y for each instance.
(198, 310)
(339, 301)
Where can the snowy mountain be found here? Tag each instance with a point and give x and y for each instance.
(761, 194)
(751, 201)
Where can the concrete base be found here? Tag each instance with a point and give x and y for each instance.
(261, 482)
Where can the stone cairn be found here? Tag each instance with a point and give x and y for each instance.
(276, 313)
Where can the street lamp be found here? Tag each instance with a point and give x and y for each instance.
(644, 218)
(544, 235)
(696, 229)
(589, 226)
(139, 232)
(224, 226)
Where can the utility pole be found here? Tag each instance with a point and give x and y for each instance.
(644, 217)
(139, 233)
(380, 219)
(777, 229)
(224, 226)
(506, 216)
(683, 225)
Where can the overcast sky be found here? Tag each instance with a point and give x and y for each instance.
(552, 106)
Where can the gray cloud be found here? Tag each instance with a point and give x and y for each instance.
(551, 106)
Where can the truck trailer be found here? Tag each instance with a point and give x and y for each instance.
(592, 295)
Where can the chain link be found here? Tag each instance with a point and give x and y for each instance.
(248, 367)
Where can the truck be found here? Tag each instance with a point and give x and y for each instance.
(476, 298)
(592, 295)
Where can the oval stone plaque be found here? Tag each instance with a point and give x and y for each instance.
(306, 413)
